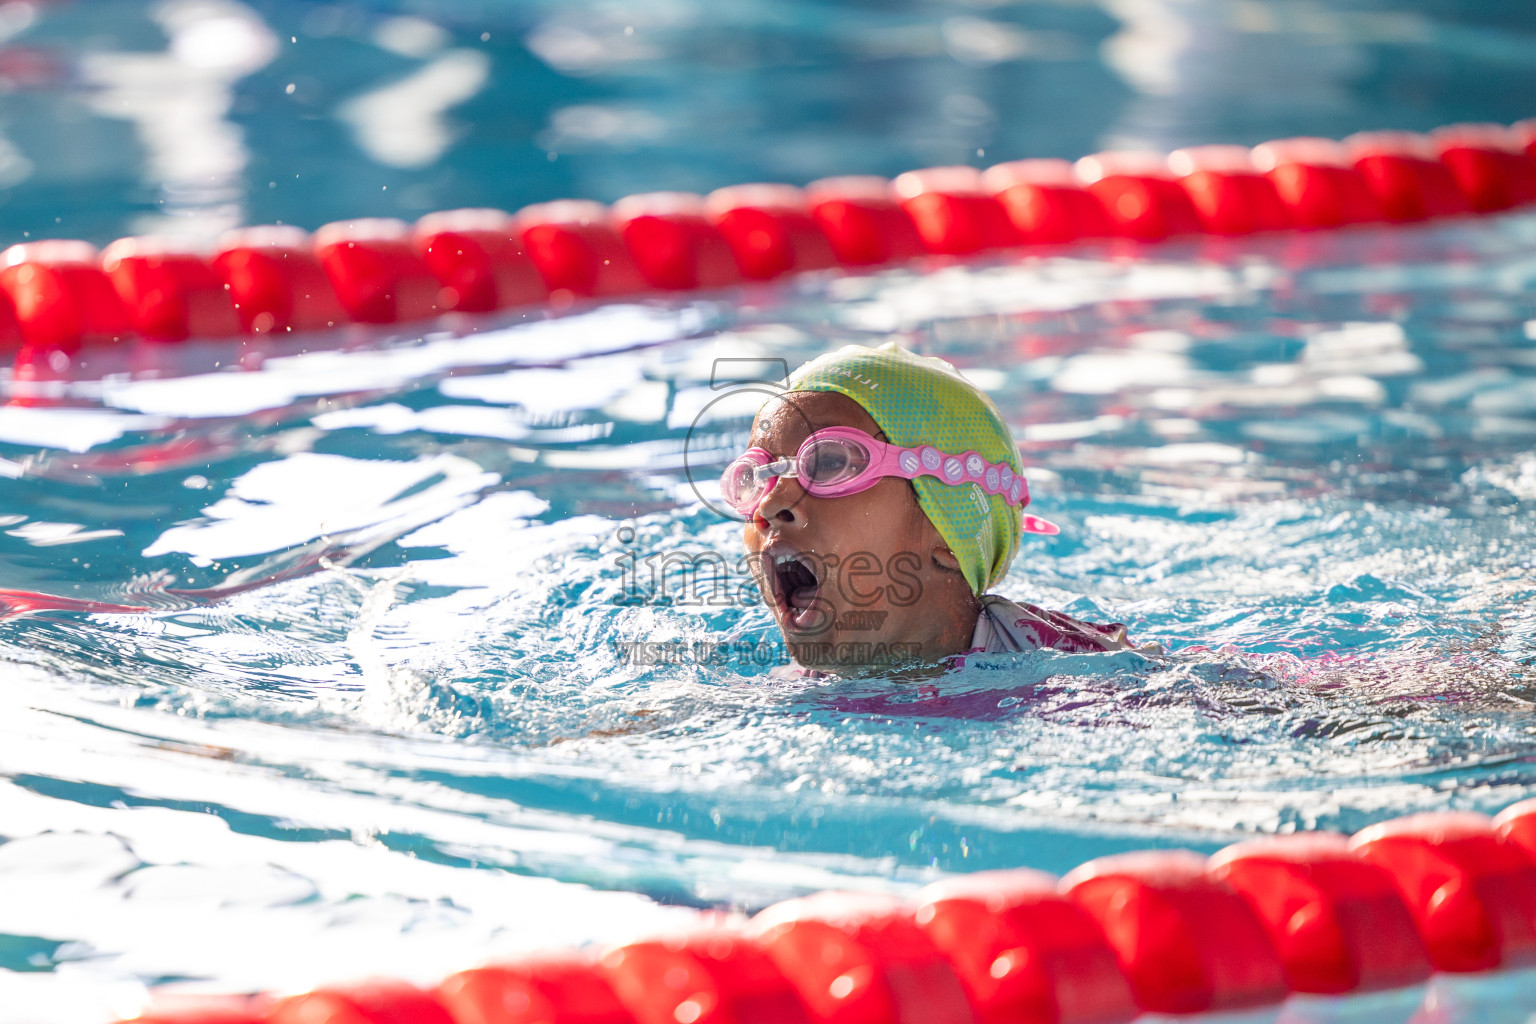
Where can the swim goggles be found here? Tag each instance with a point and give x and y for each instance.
(838, 461)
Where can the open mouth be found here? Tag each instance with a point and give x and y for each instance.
(795, 587)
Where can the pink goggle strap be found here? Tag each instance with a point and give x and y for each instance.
(967, 467)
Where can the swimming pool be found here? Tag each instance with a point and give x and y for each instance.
(1307, 473)
(398, 695)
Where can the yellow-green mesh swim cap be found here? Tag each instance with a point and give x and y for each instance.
(920, 400)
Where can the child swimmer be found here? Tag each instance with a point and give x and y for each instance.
(884, 496)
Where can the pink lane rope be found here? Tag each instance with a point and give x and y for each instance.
(58, 296)
(1163, 931)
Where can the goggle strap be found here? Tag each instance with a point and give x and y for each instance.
(997, 478)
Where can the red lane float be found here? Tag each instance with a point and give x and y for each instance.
(861, 219)
(1338, 922)
(1046, 202)
(1402, 171)
(170, 291)
(860, 959)
(953, 210)
(275, 282)
(1517, 824)
(769, 229)
(477, 255)
(376, 272)
(577, 251)
(1472, 892)
(61, 298)
(673, 243)
(1489, 165)
(1025, 953)
(550, 990)
(711, 976)
(1186, 942)
(1140, 197)
(1316, 183)
(1228, 193)
(373, 1002)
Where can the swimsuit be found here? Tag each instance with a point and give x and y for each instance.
(1005, 627)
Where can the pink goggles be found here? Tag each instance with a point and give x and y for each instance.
(839, 461)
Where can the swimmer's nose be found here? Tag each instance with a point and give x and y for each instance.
(781, 504)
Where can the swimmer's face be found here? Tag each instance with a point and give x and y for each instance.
(847, 578)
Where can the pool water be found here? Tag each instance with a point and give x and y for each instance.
(346, 681)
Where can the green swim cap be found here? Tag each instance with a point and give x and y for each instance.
(920, 400)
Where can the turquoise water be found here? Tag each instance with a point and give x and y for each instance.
(341, 656)
(376, 693)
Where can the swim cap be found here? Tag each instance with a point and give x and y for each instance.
(919, 400)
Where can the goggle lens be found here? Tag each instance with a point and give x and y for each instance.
(746, 481)
(739, 485)
(831, 462)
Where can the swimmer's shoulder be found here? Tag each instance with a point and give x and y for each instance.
(1006, 627)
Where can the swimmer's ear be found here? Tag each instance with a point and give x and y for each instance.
(945, 558)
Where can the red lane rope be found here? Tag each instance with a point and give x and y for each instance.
(57, 296)
(1165, 931)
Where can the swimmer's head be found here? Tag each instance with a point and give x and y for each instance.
(923, 400)
(899, 562)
